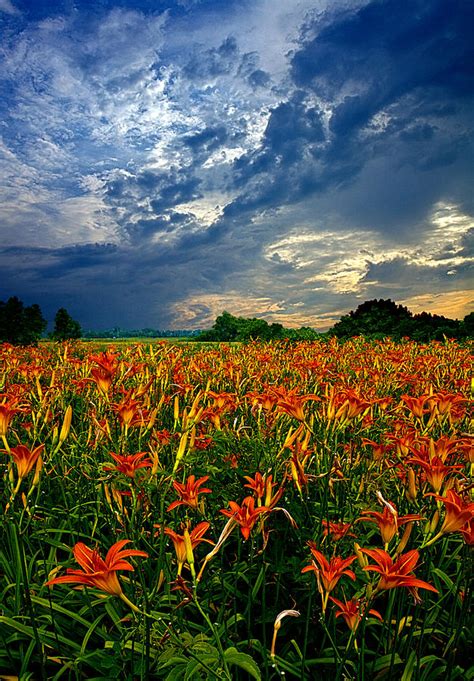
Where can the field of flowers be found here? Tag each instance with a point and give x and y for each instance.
(257, 511)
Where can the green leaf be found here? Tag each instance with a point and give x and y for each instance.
(242, 660)
(409, 667)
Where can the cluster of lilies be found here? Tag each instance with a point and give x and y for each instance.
(149, 413)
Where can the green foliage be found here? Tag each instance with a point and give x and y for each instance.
(228, 328)
(378, 319)
(65, 327)
(20, 325)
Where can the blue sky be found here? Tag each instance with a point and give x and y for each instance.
(161, 162)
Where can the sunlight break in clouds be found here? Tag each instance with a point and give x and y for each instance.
(283, 159)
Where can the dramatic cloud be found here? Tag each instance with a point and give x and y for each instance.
(163, 161)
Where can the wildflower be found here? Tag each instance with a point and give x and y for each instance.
(7, 412)
(388, 520)
(352, 612)
(97, 572)
(129, 464)
(263, 486)
(458, 513)
(189, 492)
(246, 515)
(336, 530)
(24, 459)
(398, 573)
(328, 573)
(185, 543)
(277, 625)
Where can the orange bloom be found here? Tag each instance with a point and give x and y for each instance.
(96, 572)
(246, 515)
(352, 612)
(416, 405)
(435, 470)
(129, 464)
(388, 521)
(398, 573)
(185, 543)
(7, 412)
(263, 486)
(337, 530)
(24, 459)
(458, 512)
(189, 492)
(329, 572)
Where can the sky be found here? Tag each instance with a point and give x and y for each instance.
(163, 161)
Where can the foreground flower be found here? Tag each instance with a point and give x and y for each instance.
(99, 573)
(246, 515)
(398, 573)
(189, 492)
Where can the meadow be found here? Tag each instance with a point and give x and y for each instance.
(247, 511)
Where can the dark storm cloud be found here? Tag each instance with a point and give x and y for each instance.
(221, 151)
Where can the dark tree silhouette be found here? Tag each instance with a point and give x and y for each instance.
(65, 327)
(20, 325)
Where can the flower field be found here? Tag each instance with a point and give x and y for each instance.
(244, 511)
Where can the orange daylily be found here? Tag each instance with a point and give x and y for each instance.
(458, 512)
(246, 515)
(97, 572)
(263, 486)
(328, 573)
(25, 458)
(7, 412)
(185, 543)
(435, 470)
(352, 612)
(388, 520)
(129, 464)
(336, 530)
(398, 573)
(189, 492)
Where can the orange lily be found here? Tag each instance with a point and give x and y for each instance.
(246, 515)
(24, 459)
(458, 513)
(336, 530)
(99, 573)
(328, 573)
(185, 543)
(352, 612)
(388, 520)
(189, 492)
(398, 573)
(129, 464)
(263, 486)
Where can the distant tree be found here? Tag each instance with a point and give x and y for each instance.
(467, 325)
(20, 325)
(374, 318)
(65, 327)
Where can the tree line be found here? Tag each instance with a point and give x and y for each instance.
(374, 319)
(25, 325)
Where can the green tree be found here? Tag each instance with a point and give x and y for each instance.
(20, 325)
(374, 318)
(65, 327)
